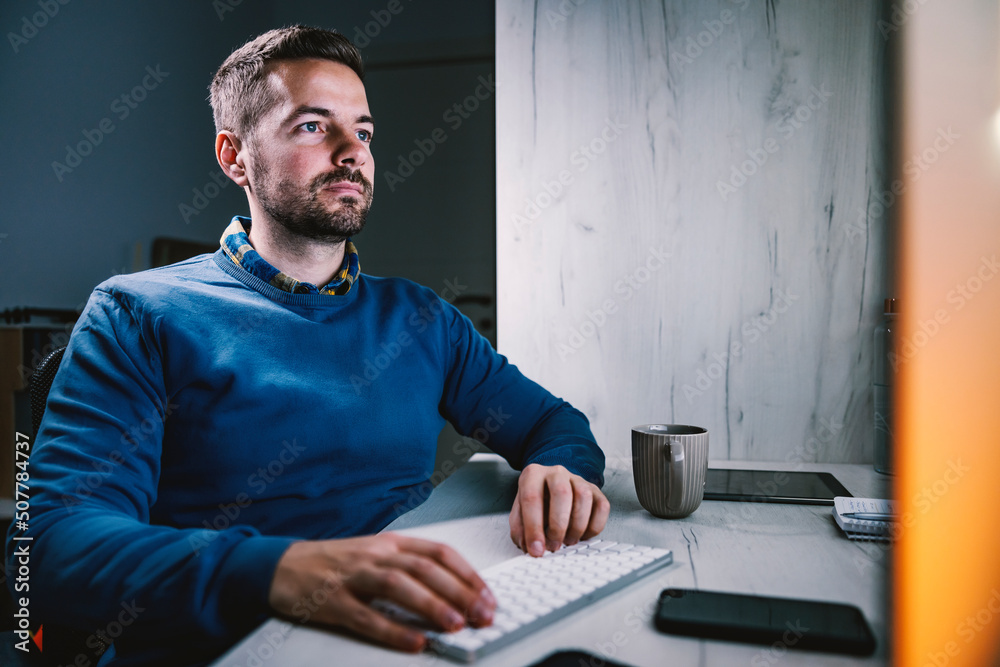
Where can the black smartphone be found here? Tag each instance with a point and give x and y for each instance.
(795, 624)
(773, 486)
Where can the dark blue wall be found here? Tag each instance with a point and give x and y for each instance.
(63, 230)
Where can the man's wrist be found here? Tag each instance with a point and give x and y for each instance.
(583, 470)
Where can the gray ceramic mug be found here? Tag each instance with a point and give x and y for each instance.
(669, 463)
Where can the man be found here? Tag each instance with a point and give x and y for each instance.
(209, 455)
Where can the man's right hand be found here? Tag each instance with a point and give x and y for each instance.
(331, 582)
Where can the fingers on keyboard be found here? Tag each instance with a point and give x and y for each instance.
(367, 622)
(580, 517)
(451, 579)
(560, 495)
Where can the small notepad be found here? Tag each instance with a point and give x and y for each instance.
(862, 529)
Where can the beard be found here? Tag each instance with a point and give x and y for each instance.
(303, 214)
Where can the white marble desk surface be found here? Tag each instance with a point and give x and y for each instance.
(767, 549)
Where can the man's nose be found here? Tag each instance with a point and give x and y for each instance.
(348, 149)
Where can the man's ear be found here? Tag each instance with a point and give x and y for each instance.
(229, 151)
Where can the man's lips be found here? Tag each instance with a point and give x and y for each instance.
(344, 187)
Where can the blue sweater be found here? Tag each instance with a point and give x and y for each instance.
(202, 420)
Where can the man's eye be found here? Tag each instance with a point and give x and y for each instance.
(311, 126)
(364, 135)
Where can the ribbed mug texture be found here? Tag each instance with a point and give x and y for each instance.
(651, 463)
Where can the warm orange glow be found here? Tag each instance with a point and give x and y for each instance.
(947, 576)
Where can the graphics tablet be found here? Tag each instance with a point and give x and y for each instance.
(773, 486)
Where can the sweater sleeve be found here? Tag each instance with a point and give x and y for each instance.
(94, 471)
(489, 399)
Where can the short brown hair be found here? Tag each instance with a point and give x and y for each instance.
(240, 94)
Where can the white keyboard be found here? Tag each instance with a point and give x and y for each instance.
(531, 592)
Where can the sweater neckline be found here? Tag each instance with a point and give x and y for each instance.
(274, 294)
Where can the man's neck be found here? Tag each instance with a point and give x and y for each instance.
(305, 260)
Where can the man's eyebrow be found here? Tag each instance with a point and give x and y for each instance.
(306, 110)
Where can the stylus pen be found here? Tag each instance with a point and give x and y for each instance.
(869, 516)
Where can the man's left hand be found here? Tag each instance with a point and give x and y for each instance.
(553, 508)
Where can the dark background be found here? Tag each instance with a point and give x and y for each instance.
(60, 238)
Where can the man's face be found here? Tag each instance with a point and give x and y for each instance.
(311, 167)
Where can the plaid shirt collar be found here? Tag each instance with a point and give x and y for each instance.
(236, 244)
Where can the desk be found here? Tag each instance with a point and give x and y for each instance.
(767, 549)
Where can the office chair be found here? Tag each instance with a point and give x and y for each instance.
(41, 382)
(61, 645)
